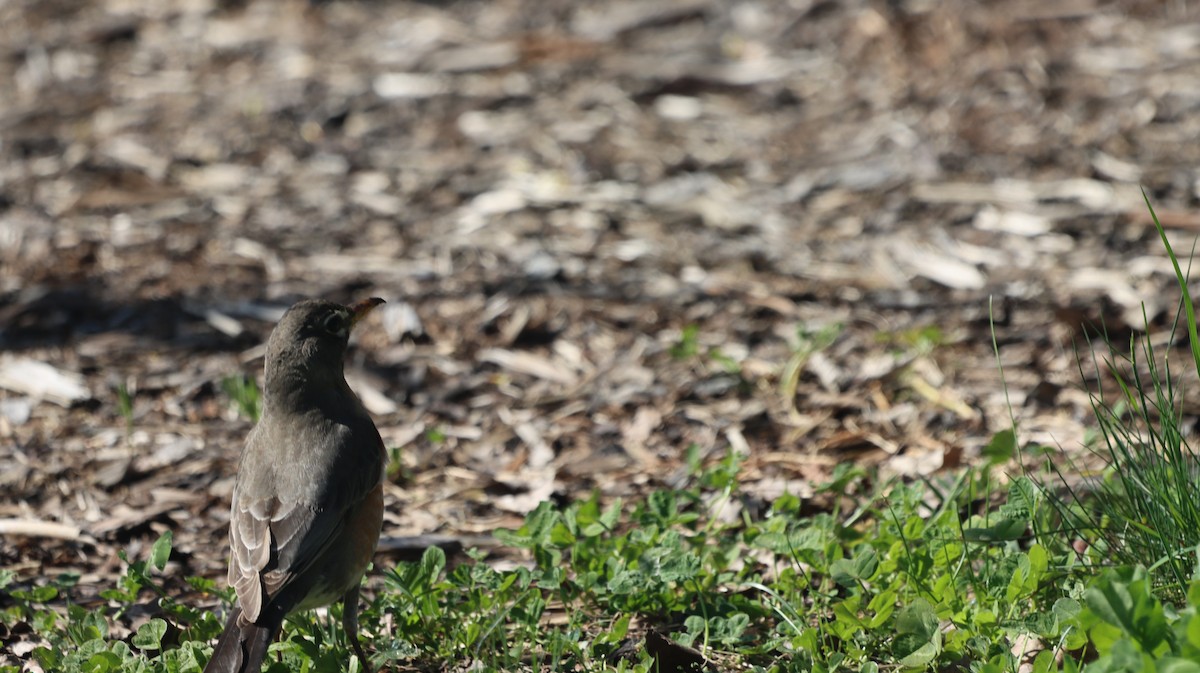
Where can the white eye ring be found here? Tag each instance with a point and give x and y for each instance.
(334, 323)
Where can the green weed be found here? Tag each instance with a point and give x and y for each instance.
(808, 341)
(125, 405)
(243, 391)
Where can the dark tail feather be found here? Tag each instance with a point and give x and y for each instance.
(242, 647)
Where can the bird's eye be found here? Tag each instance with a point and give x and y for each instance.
(334, 323)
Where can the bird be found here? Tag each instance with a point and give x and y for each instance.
(307, 503)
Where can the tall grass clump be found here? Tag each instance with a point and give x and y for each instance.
(1145, 508)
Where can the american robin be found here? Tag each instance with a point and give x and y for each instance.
(308, 500)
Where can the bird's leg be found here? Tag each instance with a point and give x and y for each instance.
(350, 623)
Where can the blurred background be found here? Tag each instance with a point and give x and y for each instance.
(617, 239)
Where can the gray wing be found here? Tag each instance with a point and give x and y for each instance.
(275, 537)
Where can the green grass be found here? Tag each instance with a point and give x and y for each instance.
(893, 584)
(1144, 510)
(916, 577)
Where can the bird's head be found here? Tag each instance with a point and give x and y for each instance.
(311, 337)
